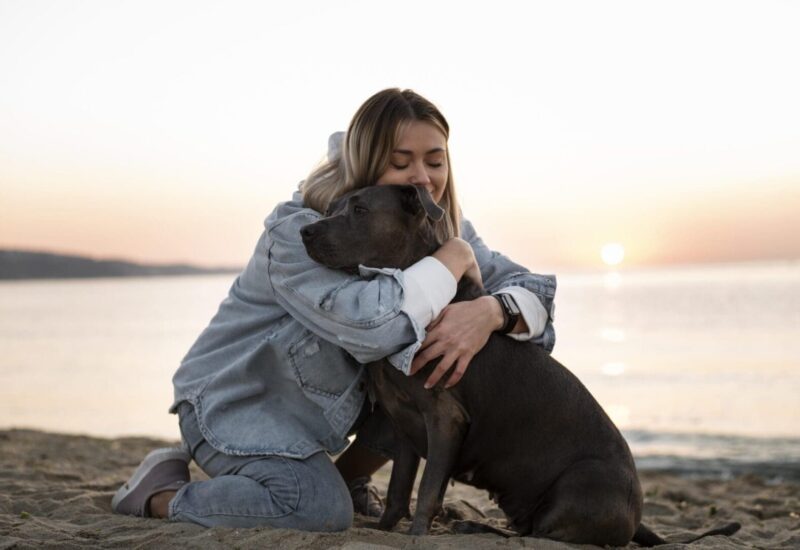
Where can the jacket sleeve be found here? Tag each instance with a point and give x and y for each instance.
(361, 313)
(499, 272)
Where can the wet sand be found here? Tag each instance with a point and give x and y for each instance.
(55, 492)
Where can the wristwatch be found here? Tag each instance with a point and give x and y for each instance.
(511, 312)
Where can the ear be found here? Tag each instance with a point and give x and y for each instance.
(433, 210)
(418, 199)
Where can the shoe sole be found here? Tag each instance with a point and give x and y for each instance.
(150, 461)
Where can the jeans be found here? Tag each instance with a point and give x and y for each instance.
(256, 491)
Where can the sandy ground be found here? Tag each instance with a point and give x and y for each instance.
(55, 492)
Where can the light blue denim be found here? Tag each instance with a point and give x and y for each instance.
(260, 491)
(278, 371)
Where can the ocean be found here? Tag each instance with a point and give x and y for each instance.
(699, 366)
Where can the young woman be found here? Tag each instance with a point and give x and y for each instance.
(275, 383)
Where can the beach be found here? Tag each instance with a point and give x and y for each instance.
(55, 492)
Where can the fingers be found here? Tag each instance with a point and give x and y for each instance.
(441, 369)
(443, 366)
(434, 350)
(432, 334)
(461, 362)
(429, 339)
(461, 368)
(415, 366)
(452, 344)
(437, 319)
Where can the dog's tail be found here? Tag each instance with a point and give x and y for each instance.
(645, 537)
(470, 527)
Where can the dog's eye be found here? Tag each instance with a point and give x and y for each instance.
(358, 209)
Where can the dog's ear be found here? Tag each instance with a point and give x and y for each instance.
(418, 199)
(433, 210)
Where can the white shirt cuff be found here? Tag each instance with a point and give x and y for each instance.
(532, 311)
(429, 287)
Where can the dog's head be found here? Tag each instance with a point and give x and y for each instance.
(376, 226)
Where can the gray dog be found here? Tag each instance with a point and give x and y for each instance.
(518, 424)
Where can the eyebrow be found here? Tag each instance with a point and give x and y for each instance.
(407, 152)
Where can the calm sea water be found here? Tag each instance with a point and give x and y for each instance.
(700, 367)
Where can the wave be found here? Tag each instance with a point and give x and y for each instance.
(716, 455)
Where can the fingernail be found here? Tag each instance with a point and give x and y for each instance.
(427, 386)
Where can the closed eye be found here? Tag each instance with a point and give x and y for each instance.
(431, 164)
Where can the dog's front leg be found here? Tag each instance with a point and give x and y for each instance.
(446, 425)
(401, 483)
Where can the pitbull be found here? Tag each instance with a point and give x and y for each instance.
(518, 424)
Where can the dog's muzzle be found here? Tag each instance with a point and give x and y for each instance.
(309, 232)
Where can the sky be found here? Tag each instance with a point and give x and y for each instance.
(163, 131)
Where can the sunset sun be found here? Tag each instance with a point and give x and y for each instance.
(612, 253)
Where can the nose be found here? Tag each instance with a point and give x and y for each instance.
(308, 232)
(419, 175)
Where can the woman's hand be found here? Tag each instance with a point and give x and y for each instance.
(457, 334)
(457, 256)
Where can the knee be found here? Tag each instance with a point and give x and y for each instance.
(334, 513)
(325, 503)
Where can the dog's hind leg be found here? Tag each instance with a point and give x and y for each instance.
(446, 426)
(401, 483)
(592, 502)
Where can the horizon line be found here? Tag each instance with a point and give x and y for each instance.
(565, 268)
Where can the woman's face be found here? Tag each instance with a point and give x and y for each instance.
(419, 158)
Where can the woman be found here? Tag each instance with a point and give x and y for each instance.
(274, 384)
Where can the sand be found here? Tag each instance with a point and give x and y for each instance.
(55, 492)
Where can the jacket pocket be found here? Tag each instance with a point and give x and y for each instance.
(323, 370)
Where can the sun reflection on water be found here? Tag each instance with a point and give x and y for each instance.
(612, 280)
(613, 368)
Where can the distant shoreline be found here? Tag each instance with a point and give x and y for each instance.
(18, 265)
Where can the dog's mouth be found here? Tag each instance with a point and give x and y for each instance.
(327, 253)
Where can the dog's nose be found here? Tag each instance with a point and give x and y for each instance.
(308, 231)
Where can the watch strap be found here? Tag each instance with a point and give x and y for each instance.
(511, 312)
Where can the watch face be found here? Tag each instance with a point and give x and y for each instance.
(510, 304)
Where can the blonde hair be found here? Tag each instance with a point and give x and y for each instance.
(367, 149)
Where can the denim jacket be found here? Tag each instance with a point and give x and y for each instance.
(278, 371)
